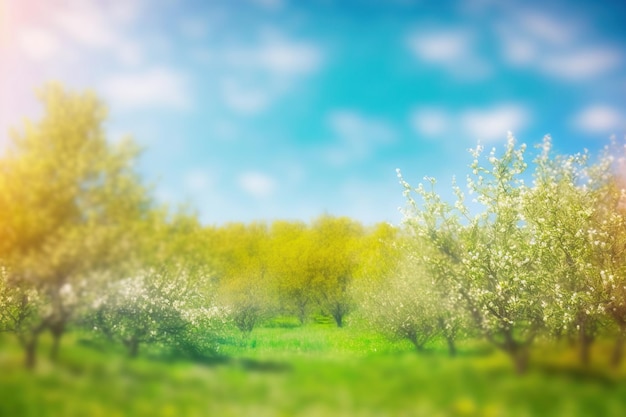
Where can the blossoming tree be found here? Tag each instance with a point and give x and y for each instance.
(495, 271)
(68, 200)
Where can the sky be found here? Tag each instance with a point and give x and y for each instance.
(289, 109)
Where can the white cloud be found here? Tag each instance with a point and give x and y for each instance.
(583, 64)
(257, 184)
(290, 58)
(358, 135)
(198, 181)
(440, 47)
(124, 11)
(430, 122)
(493, 124)
(156, 87)
(452, 49)
(546, 28)
(278, 56)
(86, 26)
(599, 119)
(555, 47)
(39, 44)
(100, 27)
(354, 127)
(255, 77)
(244, 100)
(473, 124)
(519, 50)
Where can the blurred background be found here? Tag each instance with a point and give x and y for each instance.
(265, 109)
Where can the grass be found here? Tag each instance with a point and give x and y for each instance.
(313, 370)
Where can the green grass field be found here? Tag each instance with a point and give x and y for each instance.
(314, 370)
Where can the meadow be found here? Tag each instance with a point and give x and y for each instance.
(159, 315)
(318, 369)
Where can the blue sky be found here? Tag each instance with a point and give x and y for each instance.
(265, 109)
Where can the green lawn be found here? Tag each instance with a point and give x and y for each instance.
(315, 370)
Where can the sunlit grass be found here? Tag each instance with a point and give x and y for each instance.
(313, 370)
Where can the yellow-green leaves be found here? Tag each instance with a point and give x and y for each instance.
(68, 200)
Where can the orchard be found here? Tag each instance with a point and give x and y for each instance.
(529, 253)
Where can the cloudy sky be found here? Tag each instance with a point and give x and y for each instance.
(265, 109)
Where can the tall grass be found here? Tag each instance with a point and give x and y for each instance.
(313, 370)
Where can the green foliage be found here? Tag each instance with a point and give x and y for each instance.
(68, 200)
(335, 249)
(82, 244)
(527, 260)
(289, 265)
(488, 258)
(294, 268)
(412, 302)
(240, 254)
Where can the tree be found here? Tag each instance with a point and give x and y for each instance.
(245, 286)
(407, 297)
(333, 263)
(561, 210)
(19, 312)
(404, 305)
(293, 280)
(156, 305)
(167, 296)
(379, 253)
(607, 239)
(440, 283)
(498, 275)
(68, 199)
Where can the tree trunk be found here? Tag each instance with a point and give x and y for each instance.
(132, 345)
(520, 359)
(302, 316)
(448, 334)
(419, 347)
(338, 319)
(519, 352)
(585, 340)
(57, 331)
(585, 351)
(338, 313)
(29, 341)
(451, 346)
(30, 350)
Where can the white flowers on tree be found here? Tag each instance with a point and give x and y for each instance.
(19, 308)
(411, 305)
(522, 259)
(574, 209)
(524, 255)
(62, 222)
(560, 208)
(492, 267)
(158, 305)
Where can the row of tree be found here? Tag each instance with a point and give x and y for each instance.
(293, 268)
(83, 244)
(531, 255)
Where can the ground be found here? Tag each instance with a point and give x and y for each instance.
(313, 370)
